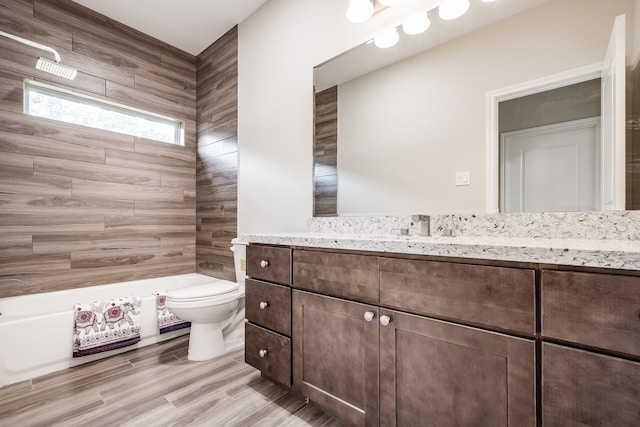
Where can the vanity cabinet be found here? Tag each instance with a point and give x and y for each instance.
(268, 311)
(335, 340)
(590, 368)
(393, 340)
(372, 365)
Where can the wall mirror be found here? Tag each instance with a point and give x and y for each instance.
(407, 129)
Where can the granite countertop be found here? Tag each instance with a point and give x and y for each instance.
(620, 254)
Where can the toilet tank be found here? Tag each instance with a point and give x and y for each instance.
(240, 260)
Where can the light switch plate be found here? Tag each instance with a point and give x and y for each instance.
(463, 178)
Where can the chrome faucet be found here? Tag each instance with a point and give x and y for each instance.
(424, 224)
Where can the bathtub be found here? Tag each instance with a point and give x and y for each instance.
(36, 330)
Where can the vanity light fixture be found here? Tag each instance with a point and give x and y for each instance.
(416, 23)
(387, 38)
(359, 10)
(452, 9)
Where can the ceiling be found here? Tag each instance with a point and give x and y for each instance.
(190, 25)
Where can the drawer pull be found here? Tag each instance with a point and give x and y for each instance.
(385, 320)
(262, 353)
(368, 316)
(264, 263)
(263, 305)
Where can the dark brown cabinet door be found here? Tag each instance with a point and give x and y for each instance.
(580, 388)
(335, 356)
(435, 373)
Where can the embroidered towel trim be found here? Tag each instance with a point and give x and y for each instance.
(106, 325)
(167, 321)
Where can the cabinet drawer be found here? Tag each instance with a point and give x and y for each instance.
(494, 296)
(580, 388)
(269, 305)
(600, 310)
(342, 275)
(269, 263)
(276, 360)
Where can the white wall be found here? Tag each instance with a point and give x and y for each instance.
(406, 130)
(278, 47)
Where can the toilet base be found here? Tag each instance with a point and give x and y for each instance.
(205, 341)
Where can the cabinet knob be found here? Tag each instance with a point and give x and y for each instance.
(385, 320)
(368, 316)
(262, 353)
(264, 263)
(263, 305)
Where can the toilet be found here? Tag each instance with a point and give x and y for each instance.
(215, 310)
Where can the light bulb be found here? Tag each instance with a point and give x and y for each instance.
(416, 23)
(359, 10)
(389, 2)
(387, 38)
(452, 9)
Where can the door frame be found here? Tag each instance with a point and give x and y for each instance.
(493, 98)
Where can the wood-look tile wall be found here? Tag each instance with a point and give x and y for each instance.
(80, 207)
(325, 148)
(217, 156)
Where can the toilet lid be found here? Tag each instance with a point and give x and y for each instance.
(206, 290)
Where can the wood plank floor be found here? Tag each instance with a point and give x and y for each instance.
(157, 386)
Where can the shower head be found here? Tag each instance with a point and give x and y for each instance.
(56, 68)
(45, 64)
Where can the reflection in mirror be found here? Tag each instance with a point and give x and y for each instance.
(549, 153)
(393, 140)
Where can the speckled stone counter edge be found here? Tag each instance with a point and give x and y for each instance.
(619, 254)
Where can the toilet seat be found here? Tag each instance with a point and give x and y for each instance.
(206, 290)
(211, 293)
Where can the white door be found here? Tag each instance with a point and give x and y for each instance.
(551, 168)
(613, 120)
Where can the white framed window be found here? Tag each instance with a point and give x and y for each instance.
(51, 102)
